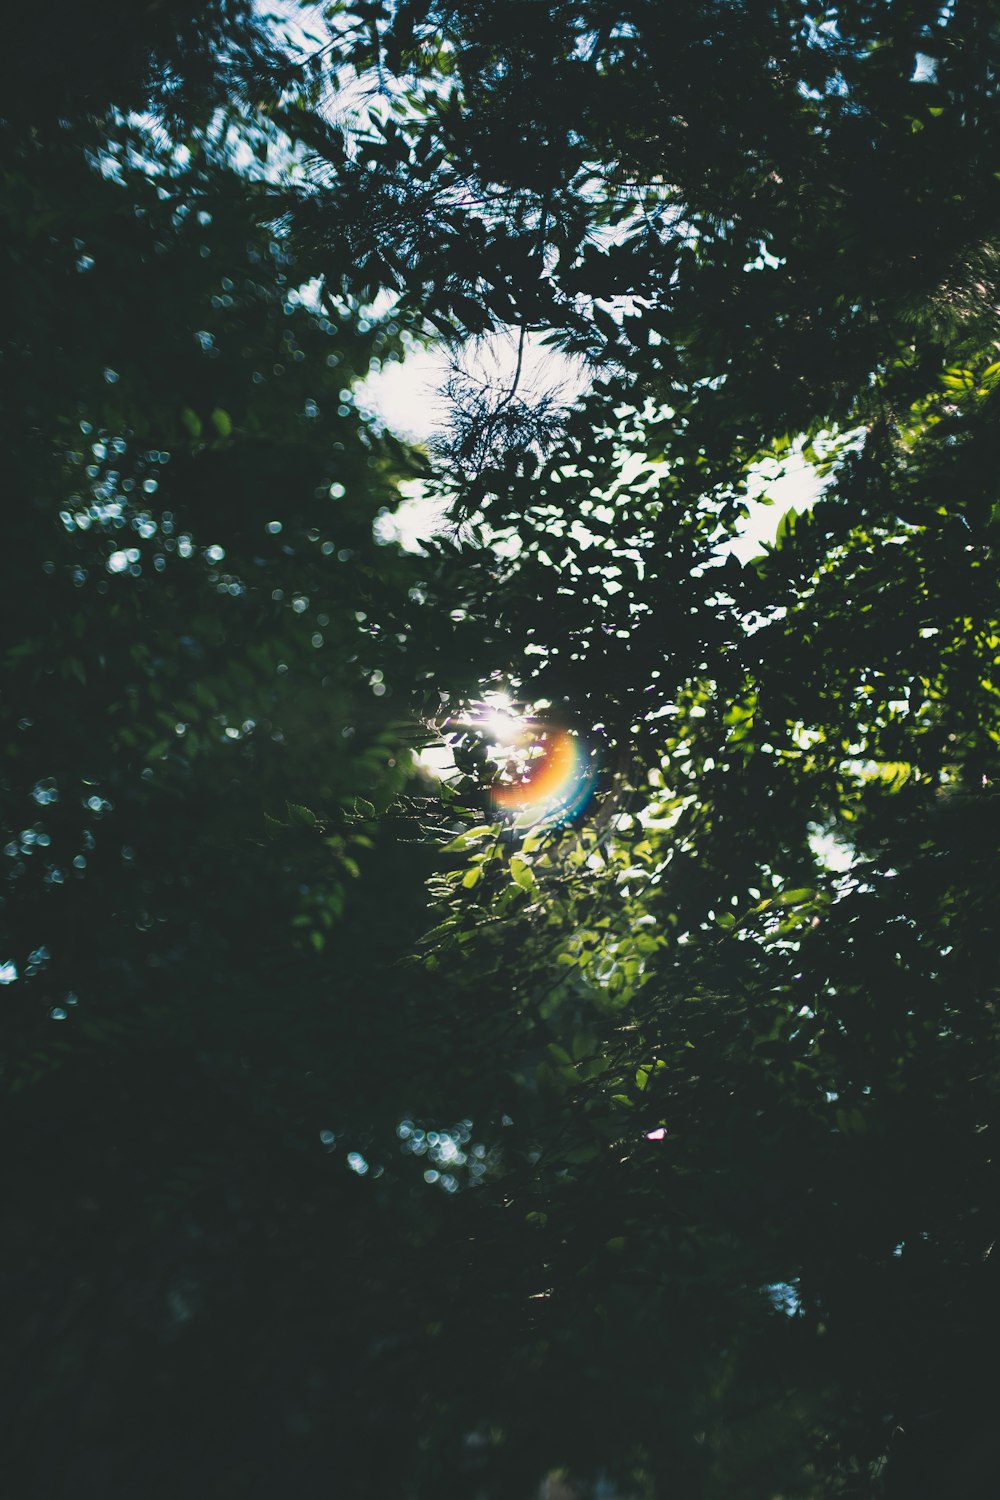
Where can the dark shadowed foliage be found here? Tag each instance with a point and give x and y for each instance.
(364, 1141)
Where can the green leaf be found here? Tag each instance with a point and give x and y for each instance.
(785, 529)
(470, 836)
(796, 897)
(301, 816)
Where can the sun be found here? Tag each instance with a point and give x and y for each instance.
(500, 722)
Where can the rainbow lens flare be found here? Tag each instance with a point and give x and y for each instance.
(555, 776)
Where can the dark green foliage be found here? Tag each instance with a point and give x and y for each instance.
(194, 762)
(704, 1086)
(63, 60)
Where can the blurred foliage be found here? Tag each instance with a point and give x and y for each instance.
(364, 1141)
(199, 732)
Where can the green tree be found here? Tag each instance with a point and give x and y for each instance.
(767, 225)
(702, 1086)
(200, 727)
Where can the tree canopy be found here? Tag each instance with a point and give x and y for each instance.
(369, 1136)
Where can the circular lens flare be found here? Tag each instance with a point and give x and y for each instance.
(549, 776)
(545, 773)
